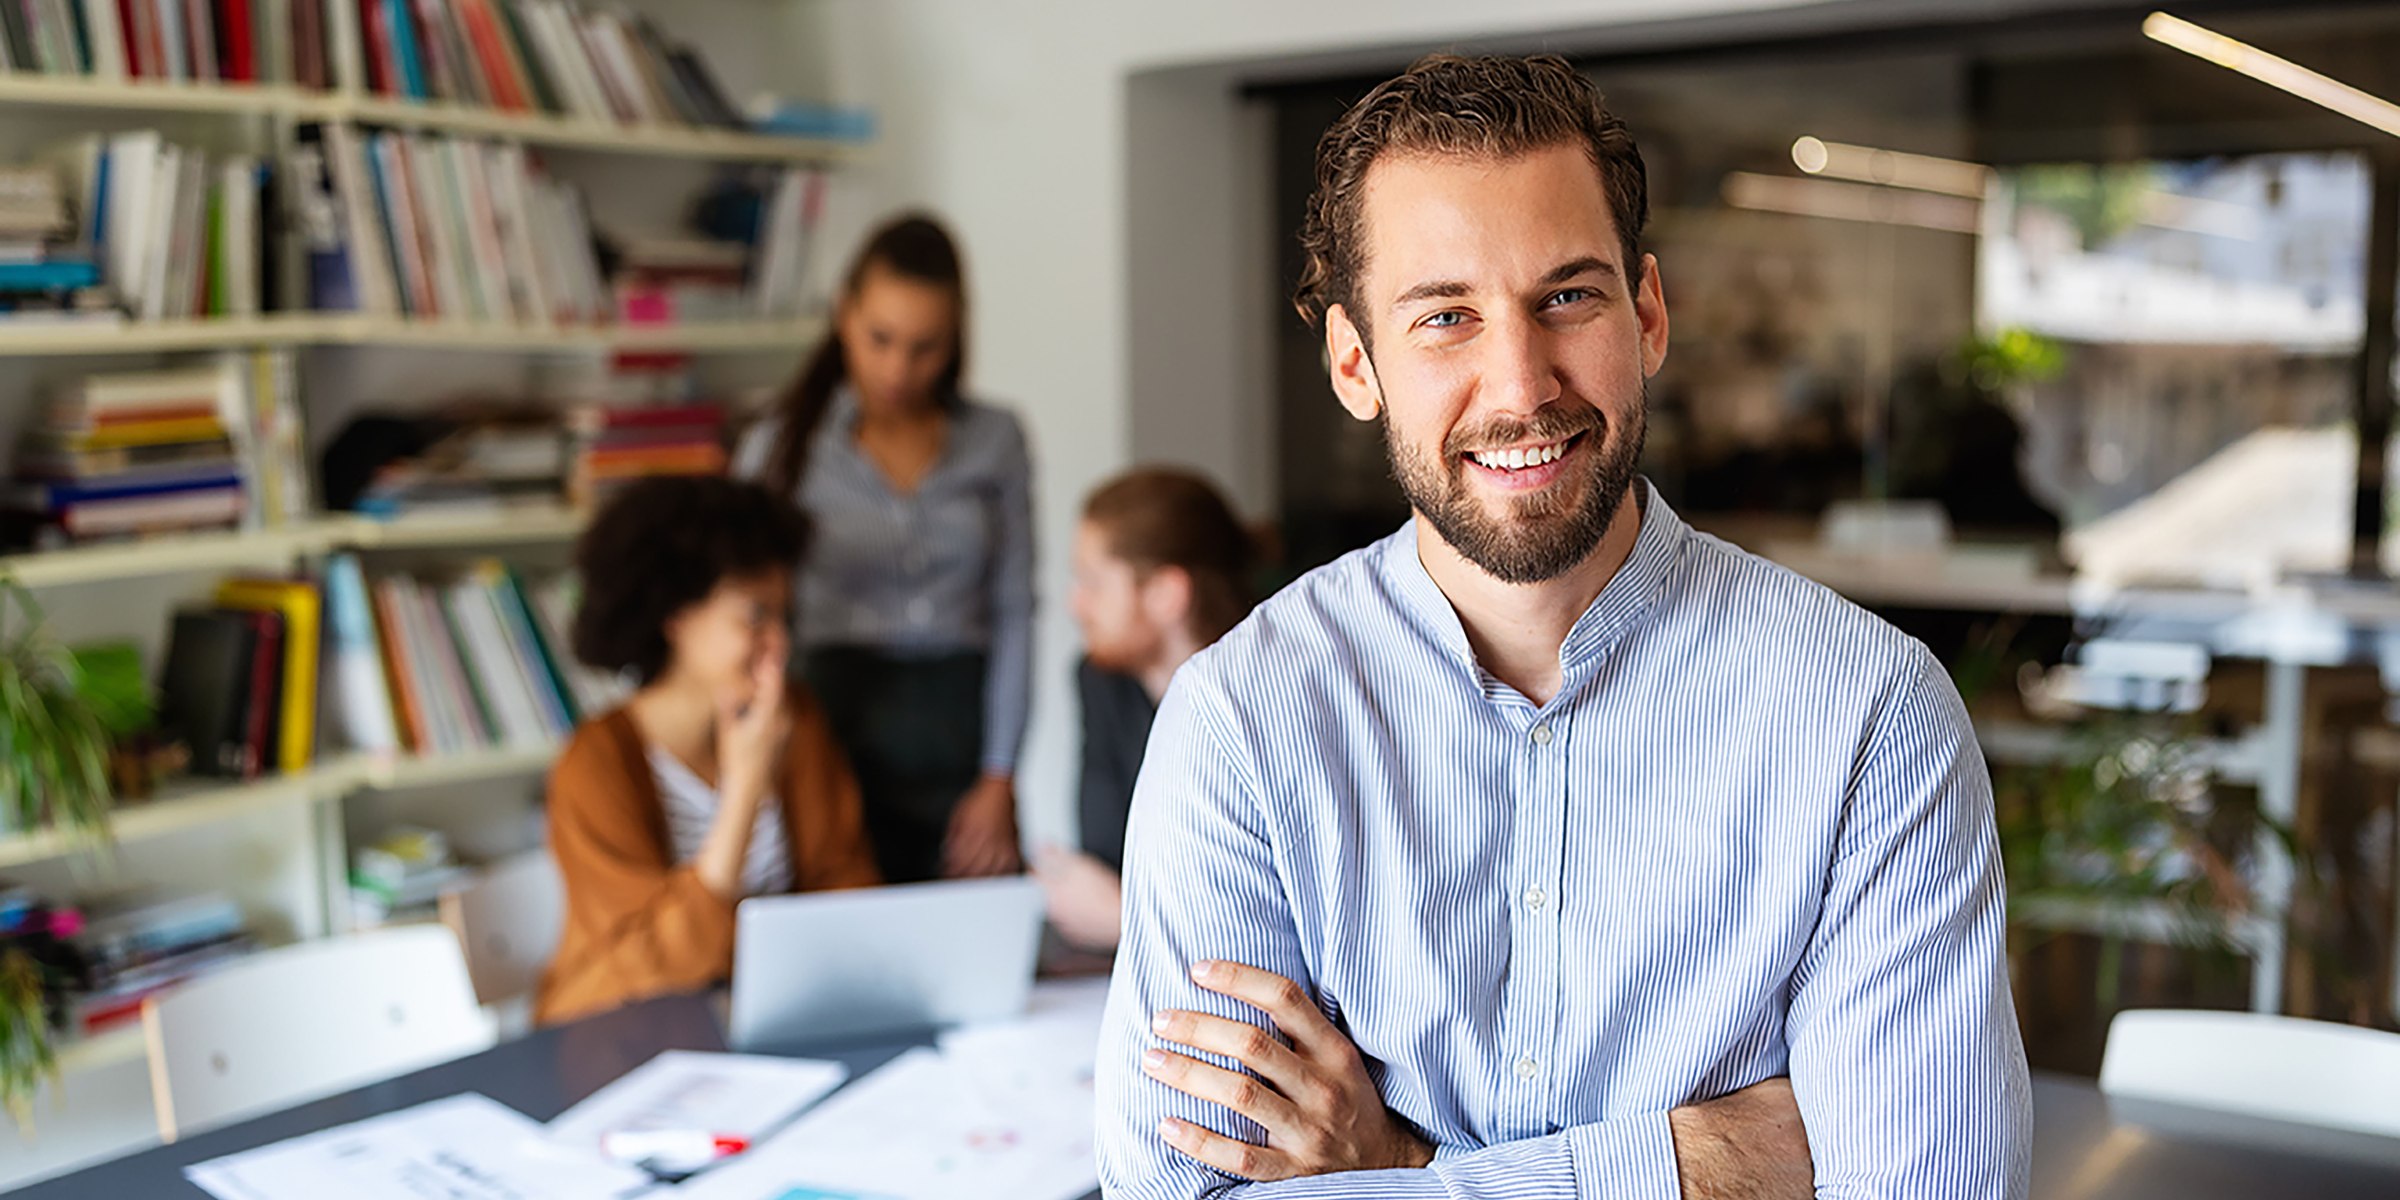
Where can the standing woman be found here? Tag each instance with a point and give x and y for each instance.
(916, 602)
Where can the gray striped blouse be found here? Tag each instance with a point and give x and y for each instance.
(1751, 836)
(947, 566)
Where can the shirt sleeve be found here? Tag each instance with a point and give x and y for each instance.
(1905, 1055)
(1008, 682)
(1201, 882)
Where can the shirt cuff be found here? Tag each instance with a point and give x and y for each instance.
(1629, 1158)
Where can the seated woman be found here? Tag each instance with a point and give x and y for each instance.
(1161, 568)
(714, 781)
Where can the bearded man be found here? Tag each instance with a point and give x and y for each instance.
(1547, 847)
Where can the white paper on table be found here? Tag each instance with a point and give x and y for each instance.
(743, 1095)
(465, 1147)
(914, 1130)
(1038, 1068)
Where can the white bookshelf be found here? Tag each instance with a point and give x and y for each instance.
(533, 129)
(91, 338)
(279, 845)
(274, 549)
(191, 804)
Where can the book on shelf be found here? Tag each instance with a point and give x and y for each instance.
(204, 689)
(132, 947)
(615, 446)
(550, 57)
(176, 41)
(171, 231)
(469, 663)
(441, 228)
(299, 605)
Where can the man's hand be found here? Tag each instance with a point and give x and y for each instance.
(1748, 1145)
(982, 839)
(1321, 1112)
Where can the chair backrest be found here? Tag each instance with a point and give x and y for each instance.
(306, 1021)
(2290, 1069)
(508, 919)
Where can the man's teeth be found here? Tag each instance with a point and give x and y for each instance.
(1519, 458)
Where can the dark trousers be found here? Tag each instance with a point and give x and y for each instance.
(912, 726)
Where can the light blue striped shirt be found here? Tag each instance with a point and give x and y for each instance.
(1751, 836)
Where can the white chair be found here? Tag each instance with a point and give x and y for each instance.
(509, 919)
(306, 1021)
(2286, 1068)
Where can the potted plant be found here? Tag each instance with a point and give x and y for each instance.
(54, 753)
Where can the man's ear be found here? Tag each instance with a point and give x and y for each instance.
(1650, 307)
(1354, 382)
(1167, 597)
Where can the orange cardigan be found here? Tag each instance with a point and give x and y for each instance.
(640, 924)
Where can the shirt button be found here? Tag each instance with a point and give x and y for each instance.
(1527, 1069)
(1535, 898)
(1541, 735)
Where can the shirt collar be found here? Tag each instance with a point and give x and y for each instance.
(1620, 606)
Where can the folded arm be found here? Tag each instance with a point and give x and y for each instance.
(1202, 884)
(1905, 1054)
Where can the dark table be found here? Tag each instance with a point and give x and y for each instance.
(2085, 1146)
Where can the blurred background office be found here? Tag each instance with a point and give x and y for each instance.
(2056, 332)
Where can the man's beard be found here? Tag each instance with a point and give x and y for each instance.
(1548, 533)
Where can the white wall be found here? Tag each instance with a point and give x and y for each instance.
(1024, 124)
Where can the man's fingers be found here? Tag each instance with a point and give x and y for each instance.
(1230, 1090)
(1285, 1002)
(1240, 1041)
(1225, 1154)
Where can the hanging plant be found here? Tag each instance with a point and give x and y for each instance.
(26, 1057)
(54, 748)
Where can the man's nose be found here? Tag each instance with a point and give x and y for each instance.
(1520, 371)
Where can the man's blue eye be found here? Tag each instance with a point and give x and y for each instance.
(1443, 320)
(1570, 296)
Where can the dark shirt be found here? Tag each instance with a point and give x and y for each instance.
(1116, 726)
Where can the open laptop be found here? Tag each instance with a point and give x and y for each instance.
(854, 964)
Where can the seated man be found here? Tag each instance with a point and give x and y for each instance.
(1533, 849)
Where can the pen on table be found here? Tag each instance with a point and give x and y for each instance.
(686, 1148)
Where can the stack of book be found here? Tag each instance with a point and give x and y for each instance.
(539, 55)
(442, 228)
(133, 949)
(184, 41)
(175, 232)
(488, 467)
(170, 451)
(44, 271)
(616, 445)
(133, 453)
(446, 666)
(665, 278)
(239, 685)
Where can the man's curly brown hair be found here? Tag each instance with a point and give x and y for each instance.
(1445, 105)
(661, 546)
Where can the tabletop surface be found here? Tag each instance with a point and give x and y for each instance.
(2086, 1146)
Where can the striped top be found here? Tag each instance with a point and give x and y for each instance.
(691, 810)
(1751, 836)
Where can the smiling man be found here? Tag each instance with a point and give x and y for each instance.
(1547, 847)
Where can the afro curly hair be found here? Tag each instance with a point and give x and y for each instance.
(661, 546)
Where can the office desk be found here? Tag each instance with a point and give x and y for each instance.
(2085, 1146)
